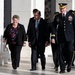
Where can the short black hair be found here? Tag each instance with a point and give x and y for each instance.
(35, 10)
(39, 13)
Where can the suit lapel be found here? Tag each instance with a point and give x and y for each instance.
(39, 23)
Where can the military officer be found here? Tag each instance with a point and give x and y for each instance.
(65, 35)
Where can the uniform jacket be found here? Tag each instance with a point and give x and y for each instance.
(66, 27)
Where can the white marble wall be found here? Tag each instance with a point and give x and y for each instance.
(23, 9)
(39, 4)
(1, 19)
(1, 16)
(73, 4)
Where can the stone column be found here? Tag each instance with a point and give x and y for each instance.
(73, 4)
(1, 23)
(1, 16)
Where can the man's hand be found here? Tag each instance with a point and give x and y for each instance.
(53, 41)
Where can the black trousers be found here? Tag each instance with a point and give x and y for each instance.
(15, 54)
(55, 54)
(69, 52)
(38, 49)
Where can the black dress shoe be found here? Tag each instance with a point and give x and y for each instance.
(72, 64)
(68, 69)
(32, 69)
(43, 68)
(14, 67)
(62, 71)
(56, 69)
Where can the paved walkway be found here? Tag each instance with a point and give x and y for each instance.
(24, 68)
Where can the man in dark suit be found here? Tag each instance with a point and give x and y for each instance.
(38, 39)
(33, 18)
(65, 35)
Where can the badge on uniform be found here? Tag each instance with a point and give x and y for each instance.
(70, 18)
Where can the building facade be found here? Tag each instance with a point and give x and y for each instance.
(24, 9)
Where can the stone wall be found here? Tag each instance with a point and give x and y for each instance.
(47, 10)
